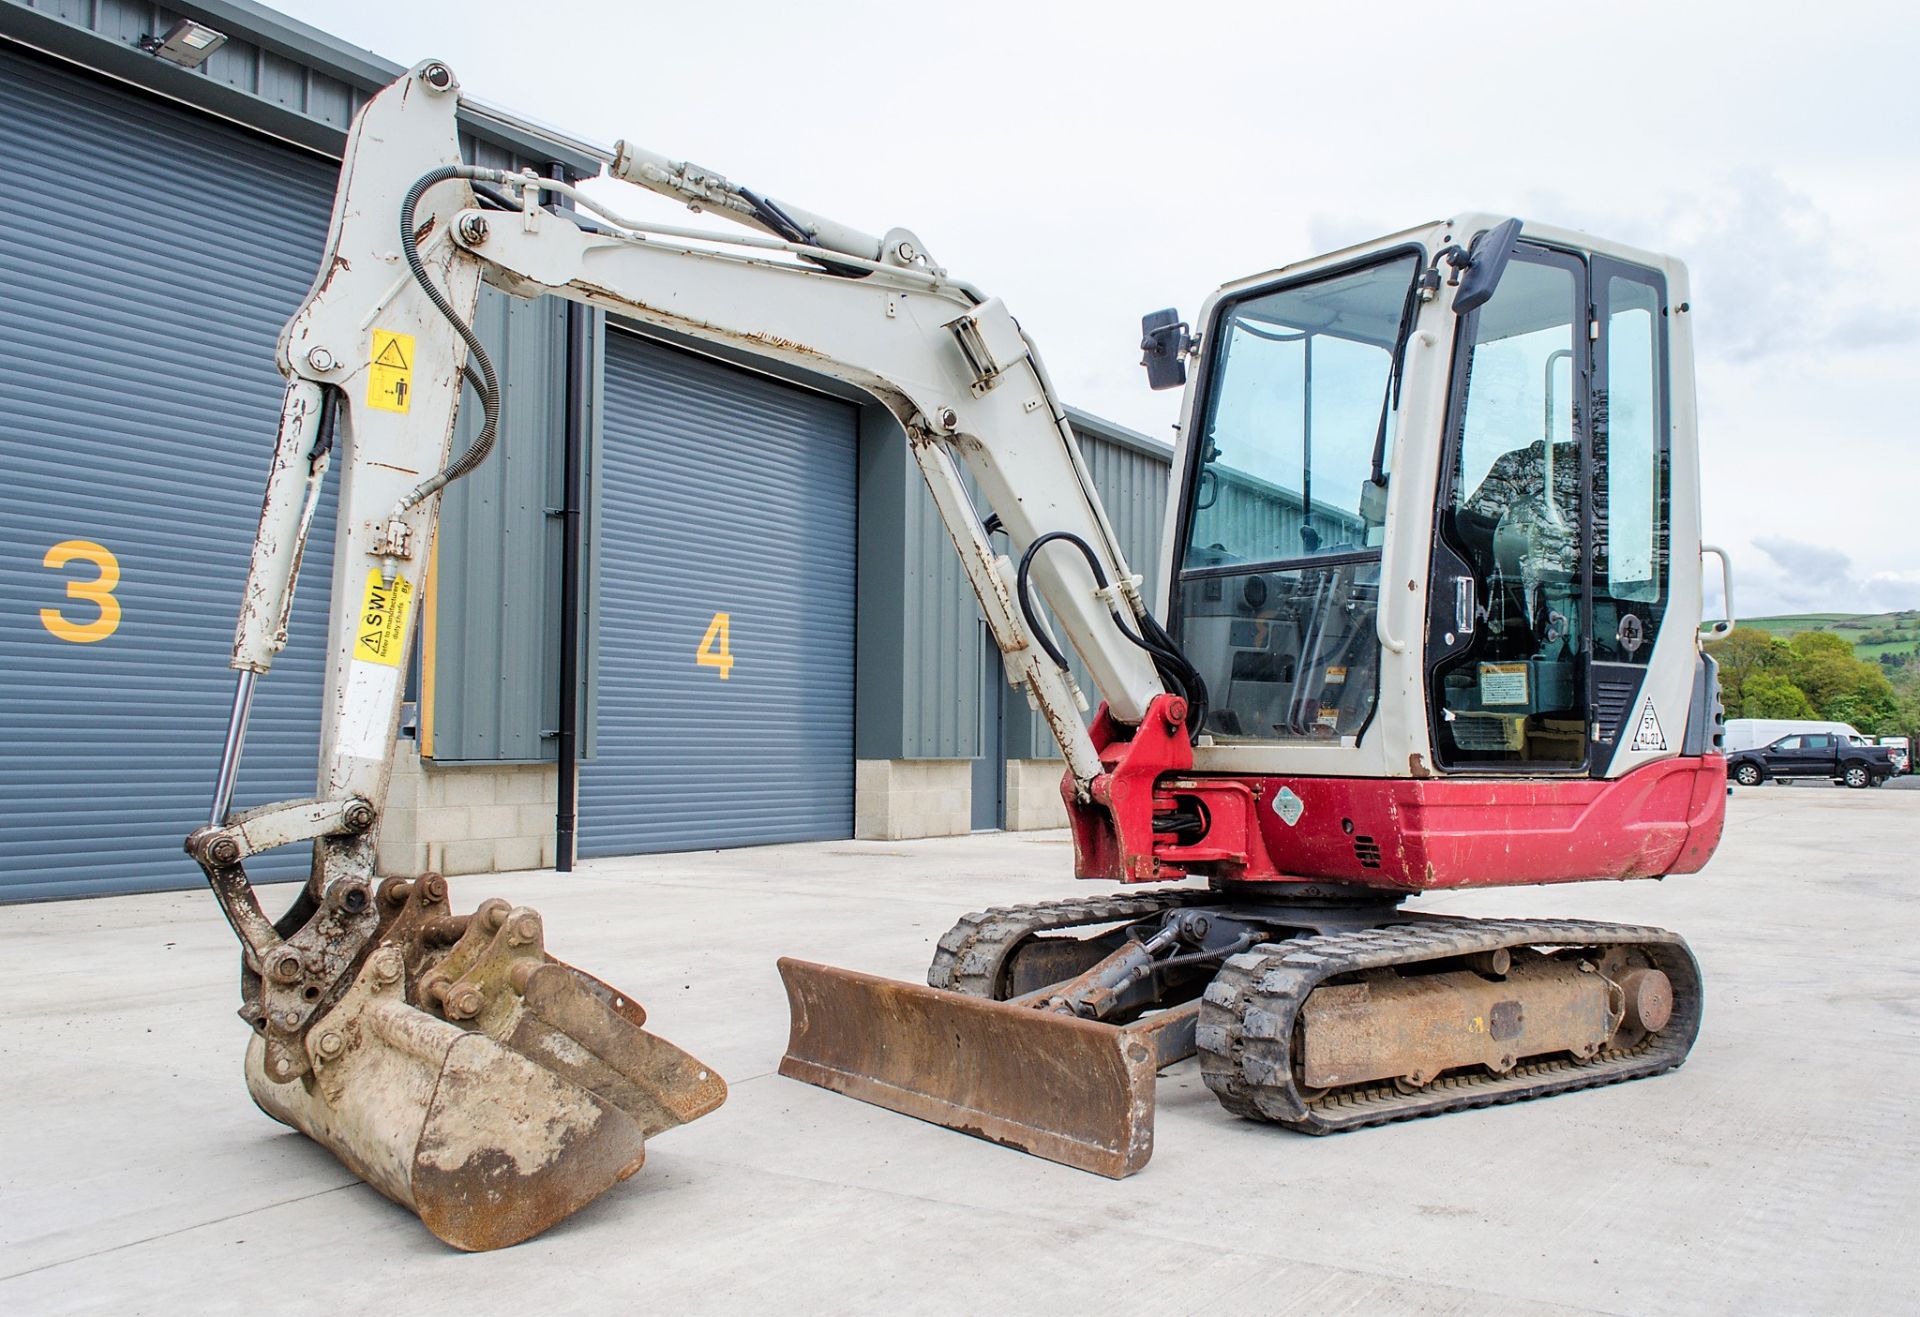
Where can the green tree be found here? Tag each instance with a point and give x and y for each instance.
(1773, 695)
(1821, 664)
(1841, 687)
(1906, 702)
(1740, 653)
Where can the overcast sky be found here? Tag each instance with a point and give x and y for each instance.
(1090, 162)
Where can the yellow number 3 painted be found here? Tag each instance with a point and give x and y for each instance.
(713, 651)
(98, 592)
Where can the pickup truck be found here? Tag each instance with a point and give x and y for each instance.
(1813, 754)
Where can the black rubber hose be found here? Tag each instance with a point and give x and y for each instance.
(1172, 665)
(486, 381)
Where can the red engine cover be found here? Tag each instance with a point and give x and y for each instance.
(1404, 834)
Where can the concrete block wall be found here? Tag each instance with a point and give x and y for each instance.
(467, 818)
(486, 818)
(1033, 795)
(894, 799)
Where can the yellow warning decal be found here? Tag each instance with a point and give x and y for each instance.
(383, 620)
(390, 377)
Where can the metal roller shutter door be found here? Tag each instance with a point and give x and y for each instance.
(142, 285)
(721, 492)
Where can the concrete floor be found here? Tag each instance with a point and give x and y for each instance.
(1775, 1172)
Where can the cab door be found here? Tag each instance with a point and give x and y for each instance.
(1509, 634)
(1784, 757)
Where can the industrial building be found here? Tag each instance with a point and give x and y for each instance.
(800, 660)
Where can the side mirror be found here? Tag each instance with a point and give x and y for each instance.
(1164, 341)
(1486, 261)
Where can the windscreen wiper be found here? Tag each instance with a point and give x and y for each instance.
(1390, 402)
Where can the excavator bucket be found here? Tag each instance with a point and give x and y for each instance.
(1073, 1091)
(473, 1079)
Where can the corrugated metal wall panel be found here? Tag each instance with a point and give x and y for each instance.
(1133, 487)
(941, 719)
(137, 411)
(496, 587)
(240, 64)
(720, 491)
(274, 73)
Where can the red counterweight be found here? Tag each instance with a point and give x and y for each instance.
(1153, 819)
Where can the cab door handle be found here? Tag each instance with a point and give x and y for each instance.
(1463, 605)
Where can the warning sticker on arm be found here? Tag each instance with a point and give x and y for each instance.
(390, 375)
(383, 620)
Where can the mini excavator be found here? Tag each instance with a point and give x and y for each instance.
(1431, 571)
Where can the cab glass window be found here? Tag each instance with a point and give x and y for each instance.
(1296, 459)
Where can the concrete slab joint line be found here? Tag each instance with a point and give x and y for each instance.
(1735, 1199)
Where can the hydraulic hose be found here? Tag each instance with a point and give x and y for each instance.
(1173, 666)
(484, 379)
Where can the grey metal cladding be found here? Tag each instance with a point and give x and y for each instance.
(941, 623)
(1131, 477)
(274, 73)
(138, 407)
(720, 491)
(495, 593)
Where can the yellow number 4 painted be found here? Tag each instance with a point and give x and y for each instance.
(98, 592)
(714, 651)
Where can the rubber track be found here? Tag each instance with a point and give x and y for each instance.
(970, 955)
(1248, 1015)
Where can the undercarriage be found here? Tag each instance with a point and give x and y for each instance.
(1044, 1025)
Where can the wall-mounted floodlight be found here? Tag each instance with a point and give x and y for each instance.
(186, 43)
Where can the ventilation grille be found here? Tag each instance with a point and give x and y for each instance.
(1367, 851)
(1487, 731)
(1611, 701)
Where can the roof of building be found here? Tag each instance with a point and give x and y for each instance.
(1088, 423)
(274, 73)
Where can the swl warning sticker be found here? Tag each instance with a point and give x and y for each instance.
(1649, 736)
(390, 377)
(383, 620)
(1289, 806)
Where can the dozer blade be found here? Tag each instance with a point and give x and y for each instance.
(1074, 1091)
(490, 1089)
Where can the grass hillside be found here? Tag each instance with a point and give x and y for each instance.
(1870, 634)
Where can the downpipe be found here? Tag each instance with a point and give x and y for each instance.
(579, 386)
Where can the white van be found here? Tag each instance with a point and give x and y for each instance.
(1752, 733)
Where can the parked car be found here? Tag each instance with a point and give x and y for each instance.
(1902, 750)
(1833, 755)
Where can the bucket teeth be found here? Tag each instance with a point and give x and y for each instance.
(475, 1080)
